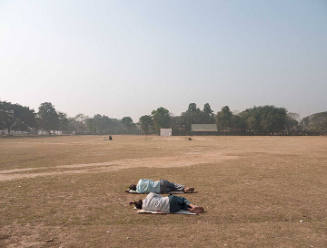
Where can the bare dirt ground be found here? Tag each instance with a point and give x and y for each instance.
(69, 191)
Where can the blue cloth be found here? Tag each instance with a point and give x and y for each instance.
(147, 186)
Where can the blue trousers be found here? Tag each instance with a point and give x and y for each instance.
(166, 186)
(177, 203)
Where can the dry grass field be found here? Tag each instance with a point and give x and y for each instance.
(257, 191)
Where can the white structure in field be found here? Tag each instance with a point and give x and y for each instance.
(166, 132)
(204, 128)
(52, 132)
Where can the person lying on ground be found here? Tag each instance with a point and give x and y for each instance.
(162, 186)
(166, 204)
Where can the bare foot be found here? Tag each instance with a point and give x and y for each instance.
(189, 190)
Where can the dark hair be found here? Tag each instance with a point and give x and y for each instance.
(132, 187)
(137, 204)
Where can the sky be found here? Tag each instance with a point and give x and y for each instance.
(127, 57)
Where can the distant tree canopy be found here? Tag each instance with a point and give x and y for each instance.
(292, 123)
(265, 119)
(127, 121)
(224, 119)
(178, 125)
(146, 123)
(129, 125)
(194, 115)
(315, 124)
(192, 108)
(77, 124)
(102, 124)
(161, 119)
(261, 120)
(48, 117)
(16, 117)
(207, 109)
(63, 122)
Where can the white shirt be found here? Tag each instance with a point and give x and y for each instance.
(156, 202)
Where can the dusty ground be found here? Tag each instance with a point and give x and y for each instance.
(69, 191)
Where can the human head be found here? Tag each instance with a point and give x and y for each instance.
(138, 204)
(132, 187)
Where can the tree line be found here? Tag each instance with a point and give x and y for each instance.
(14, 117)
(260, 120)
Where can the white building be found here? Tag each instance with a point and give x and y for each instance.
(204, 129)
(52, 132)
(166, 132)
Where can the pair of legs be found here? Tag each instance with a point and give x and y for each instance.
(166, 187)
(178, 203)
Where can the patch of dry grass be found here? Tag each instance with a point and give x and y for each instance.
(272, 195)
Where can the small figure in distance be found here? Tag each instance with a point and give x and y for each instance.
(189, 138)
(167, 204)
(162, 186)
(110, 137)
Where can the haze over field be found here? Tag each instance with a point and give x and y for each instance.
(126, 58)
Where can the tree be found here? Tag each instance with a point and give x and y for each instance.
(63, 122)
(102, 124)
(127, 121)
(161, 118)
(207, 109)
(129, 124)
(224, 119)
(90, 125)
(178, 125)
(16, 117)
(315, 123)
(189, 117)
(292, 124)
(7, 116)
(250, 117)
(192, 107)
(265, 119)
(146, 123)
(48, 117)
(194, 115)
(207, 116)
(77, 124)
(238, 125)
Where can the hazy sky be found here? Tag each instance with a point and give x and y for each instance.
(126, 58)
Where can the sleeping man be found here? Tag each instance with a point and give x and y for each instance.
(145, 186)
(166, 204)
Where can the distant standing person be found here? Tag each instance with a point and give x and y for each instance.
(162, 186)
(166, 204)
(110, 138)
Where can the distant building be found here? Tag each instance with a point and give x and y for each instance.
(204, 129)
(52, 132)
(4, 132)
(42, 132)
(166, 132)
